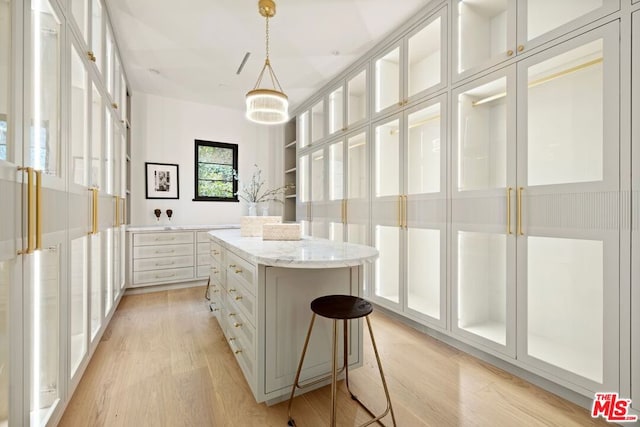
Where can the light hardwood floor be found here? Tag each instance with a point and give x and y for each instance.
(163, 361)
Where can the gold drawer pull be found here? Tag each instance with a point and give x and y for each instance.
(237, 325)
(232, 314)
(232, 266)
(231, 290)
(238, 270)
(232, 339)
(237, 352)
(239, 297)
(216, 253)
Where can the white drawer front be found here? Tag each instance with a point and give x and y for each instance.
(203, 237)
(216, 274)
(162, 276)
(242, 270)
(242, 298)
(146, 264)
(204, 259)
(203, 271)
(162, 251)
(216, 252)
(204, 248)
(242, 350)
(163, 238)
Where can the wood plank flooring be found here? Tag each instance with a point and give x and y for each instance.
(163, 361)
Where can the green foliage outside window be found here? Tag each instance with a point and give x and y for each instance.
(215, 163)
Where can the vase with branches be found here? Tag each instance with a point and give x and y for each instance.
(255, 191)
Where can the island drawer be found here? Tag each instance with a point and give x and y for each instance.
(241, 270)
(146, 264)
(243, 351)
(159, 251)
(242, 298)
(164, 238)
(216, 252)
(164, 276)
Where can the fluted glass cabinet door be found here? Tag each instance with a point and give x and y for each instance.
(568, 231)
(483, 239)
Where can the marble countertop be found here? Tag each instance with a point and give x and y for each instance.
(308, 252)
(168, 227)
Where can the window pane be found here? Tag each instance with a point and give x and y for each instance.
(210, 171)
(215, 189)
(207, 154)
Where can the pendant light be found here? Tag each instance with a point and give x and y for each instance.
(267, 106)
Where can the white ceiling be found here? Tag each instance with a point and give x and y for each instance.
(191, 49)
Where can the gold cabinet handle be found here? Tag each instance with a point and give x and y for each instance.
(520, 48)
(237, 325)
(231, 290)
(114, 105)
(232, 265)
(38, 210)
(94, 208)
(232, 339)
(232, 314)
(216, 252)
(509, 210)
(520, 190)
(238, 270)
(31, 212)
(237, 352)
(238, 298)
(346, 214)
(509, 52)
(400, 211)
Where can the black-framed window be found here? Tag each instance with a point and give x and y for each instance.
(215, 163)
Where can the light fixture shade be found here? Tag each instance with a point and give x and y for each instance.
(266, 106)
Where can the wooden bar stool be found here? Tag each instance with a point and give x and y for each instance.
(341, 307)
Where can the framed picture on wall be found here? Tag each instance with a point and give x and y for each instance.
(161, 181)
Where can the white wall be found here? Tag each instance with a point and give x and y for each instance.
(163, 130)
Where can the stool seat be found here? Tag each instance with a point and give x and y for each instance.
(341, 307)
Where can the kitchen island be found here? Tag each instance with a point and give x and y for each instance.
(261, 292)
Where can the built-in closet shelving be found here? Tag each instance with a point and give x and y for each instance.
(491, 140)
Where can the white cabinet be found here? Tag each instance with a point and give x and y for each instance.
(264, 314)
(413, 67)
(409, 212)
(159, 257)
(487, 32)
(530, 218)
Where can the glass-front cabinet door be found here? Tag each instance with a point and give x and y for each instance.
(482, 230)
(45, 267)
(567, 228)
(486, 32)
(318, 193)
(424, 206)
(425, 63)
(303, 190)
(318, 122)
(336, 112)
(386, 211)
(336, 179)
(387, 84)
(357, 98)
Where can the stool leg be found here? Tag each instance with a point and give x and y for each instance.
(384, 382)
(297, 378)
(334, 373)
(345, 354)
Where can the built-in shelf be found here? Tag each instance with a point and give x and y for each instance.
(291, 144)
(290, 170)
